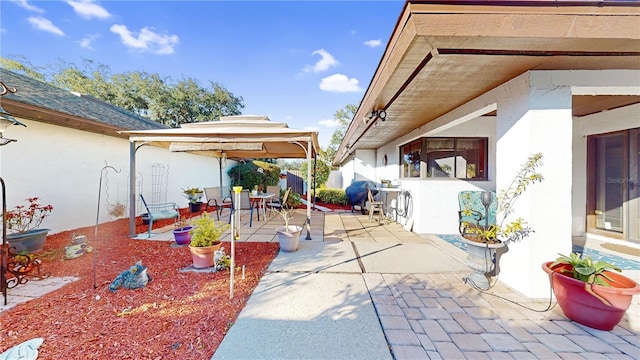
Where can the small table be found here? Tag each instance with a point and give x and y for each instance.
(260, 201)
(386, 191)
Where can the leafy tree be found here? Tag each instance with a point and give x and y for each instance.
(248, 175)
(344, 117)
(23, 66)
(289, 164)
(147, 94)
(321, 174)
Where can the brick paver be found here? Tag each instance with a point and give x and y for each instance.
(423, 321)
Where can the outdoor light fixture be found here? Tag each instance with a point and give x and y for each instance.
(375, 114)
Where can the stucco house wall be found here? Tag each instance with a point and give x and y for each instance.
(62, 165)
(534, 114)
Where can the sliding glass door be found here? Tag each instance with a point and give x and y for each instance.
(614, 184)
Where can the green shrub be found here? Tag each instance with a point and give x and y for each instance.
(294, 199)
(248, 176)
(206, 232)
(333, 196)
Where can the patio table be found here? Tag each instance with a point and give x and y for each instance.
(259, 201)
(386, 191)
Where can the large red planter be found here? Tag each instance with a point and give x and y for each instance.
(580, 306)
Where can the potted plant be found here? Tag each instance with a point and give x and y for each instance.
(485, 244)
(181, 232)
(23, 222)
(205, 240)
(194, 195)
(590, 292)
(288, 235)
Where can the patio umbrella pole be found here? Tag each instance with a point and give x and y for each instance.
(95, 232)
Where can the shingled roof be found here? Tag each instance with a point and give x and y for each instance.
(36, 100)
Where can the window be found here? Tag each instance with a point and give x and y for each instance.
(461, 158)
(411, 159)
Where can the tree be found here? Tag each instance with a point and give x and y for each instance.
(23, 66)
(321, 174)
(343, 116)
(147, 94)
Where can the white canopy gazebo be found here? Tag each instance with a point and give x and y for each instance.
(233, 137)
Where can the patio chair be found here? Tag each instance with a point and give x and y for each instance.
(245, 204)
(472, 212)
(374, 206)
(282, 203)
(274, 189)
(214, 199)
(160, 211)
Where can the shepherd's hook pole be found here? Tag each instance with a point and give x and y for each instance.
(95, 233)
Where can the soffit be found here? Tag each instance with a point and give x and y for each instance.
(436, 61)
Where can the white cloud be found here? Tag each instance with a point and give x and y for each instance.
(330, 123)
(373, 43)
(146, 40)
(87, 41)
(326, 61)
(43, 24)
(89, 9)
(26, 5)
(339, 83)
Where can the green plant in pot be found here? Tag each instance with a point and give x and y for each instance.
(592, 293)
(485, 243)
(23, 223)
(205, 239)
(517, 229)
(194, 195)
(182, 232)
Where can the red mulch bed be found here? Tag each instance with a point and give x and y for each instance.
(334, 207)
(176, 316)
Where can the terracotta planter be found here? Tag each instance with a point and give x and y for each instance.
(203, 256)
(580, 306)
(289, 237)
(29, 242)
(484, 260)
(182, 235)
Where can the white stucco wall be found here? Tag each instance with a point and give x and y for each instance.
(63, 166)
(364, 165)
(534, 115)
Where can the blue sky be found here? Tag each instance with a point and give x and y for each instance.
(295, 61)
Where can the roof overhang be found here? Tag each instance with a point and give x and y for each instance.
(443, 54)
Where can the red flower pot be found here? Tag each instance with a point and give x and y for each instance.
(579, 305)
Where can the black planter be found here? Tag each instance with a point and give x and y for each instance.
(195, 207)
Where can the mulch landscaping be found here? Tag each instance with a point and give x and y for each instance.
(178, 315)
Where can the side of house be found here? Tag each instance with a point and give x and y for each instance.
(62, 153)
(465, 92)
